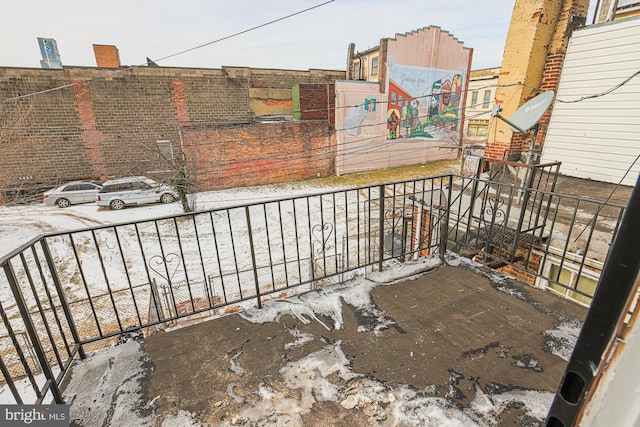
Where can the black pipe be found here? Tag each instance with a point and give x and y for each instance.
(607, 309)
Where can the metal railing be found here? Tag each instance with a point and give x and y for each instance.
(63, 293)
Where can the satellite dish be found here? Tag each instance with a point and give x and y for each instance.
(529, 113)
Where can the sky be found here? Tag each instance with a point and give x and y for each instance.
(317, 38)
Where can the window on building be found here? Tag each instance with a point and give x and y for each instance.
(356, 70)
(164, 150)
(568, 276)
(478, 128)
(399, 99)
(474, 98)
(487, 99)
(374, 66)
(393, 98)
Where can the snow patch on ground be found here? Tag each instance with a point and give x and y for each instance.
(561, 340)
(311, 378)
(181, 419)
(328, 301)
(106, 388)
(404, 270)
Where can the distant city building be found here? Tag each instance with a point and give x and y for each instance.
(613, 10)
(403, 101)
(480, 100)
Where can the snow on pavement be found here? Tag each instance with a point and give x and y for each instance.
(115, 377)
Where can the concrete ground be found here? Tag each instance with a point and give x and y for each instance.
(458, 337)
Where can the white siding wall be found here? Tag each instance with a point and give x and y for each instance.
(598, 138)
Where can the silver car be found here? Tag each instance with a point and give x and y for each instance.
(71, 193)
(134, 190)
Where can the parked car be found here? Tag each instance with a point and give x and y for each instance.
(134, 190)
(71, 193)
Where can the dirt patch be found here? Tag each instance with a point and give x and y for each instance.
(450, 336)
(382, 176)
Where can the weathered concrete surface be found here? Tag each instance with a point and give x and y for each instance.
(452, 329)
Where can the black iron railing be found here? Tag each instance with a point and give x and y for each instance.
(63, 293)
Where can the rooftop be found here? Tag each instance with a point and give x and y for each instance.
(419, 344)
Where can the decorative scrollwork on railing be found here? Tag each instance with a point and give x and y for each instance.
(165, 267)
(393, 218)
(493, 212)
(322, 233)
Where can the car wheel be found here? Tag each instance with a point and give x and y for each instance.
(116, 205)
(167, 198)
(63, 203)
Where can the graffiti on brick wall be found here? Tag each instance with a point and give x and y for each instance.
(423, 102)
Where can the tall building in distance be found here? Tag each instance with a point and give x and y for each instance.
(480, 100)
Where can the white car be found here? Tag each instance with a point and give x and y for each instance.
(134, 190)
(71, 193)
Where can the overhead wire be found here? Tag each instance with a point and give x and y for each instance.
(603, 93)
(327, 149)
(121, 70)
(357, 150)
(233, 120)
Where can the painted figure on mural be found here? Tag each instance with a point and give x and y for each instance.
(370, 105)
(445, 94)
(434, 103)
(393, 124)
(405, 117)
(456, 90)
(415, 119)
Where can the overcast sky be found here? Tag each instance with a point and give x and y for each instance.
(317, 38)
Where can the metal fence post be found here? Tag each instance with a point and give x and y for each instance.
(253, 256)
(33, 334)
(61, 296)
(381, 227)
(444, 220)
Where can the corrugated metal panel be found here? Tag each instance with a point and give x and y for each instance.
(598, 138)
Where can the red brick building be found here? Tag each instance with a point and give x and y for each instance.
(96, 123)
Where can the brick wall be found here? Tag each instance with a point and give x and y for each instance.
(573, 16)
(534, 53)
(421, 216)
(236, 156)
(105, 124)
(522, 272)
(316, 102)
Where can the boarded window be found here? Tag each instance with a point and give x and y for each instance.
(164, 150)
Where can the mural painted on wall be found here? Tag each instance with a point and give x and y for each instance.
(422, 102)
(359, 115)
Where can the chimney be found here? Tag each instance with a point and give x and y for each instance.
(106, 56)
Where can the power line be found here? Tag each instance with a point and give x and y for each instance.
(244, 31)
(231, 120)
(121, 70)
(603, 93)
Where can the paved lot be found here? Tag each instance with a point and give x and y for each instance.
(452, 338)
